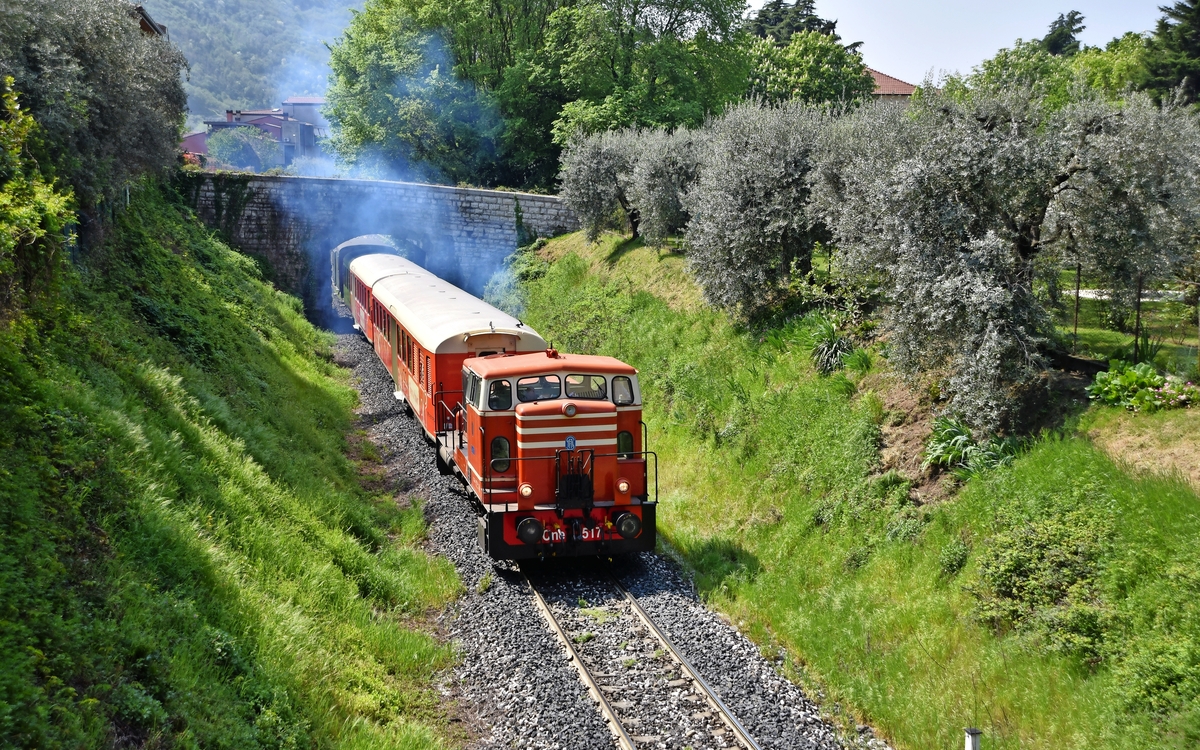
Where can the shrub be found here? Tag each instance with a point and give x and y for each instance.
(952, 446)
(953, 557)
(1141, 388)
(829, 347)
(1040, 576)
(33, 211)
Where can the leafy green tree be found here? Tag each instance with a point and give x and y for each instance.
(1057, 80)
(244, 148)
(662, 63)
(399, 110)
(1173, 55)
(778, 20)
(813, 67)
(1120, 66)
(107, 97)
(33, 210)
(1063, 39)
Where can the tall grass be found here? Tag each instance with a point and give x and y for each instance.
(913, 617)
(187, 557)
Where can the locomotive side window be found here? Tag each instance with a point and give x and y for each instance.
(625, 444)
(499, 395)
(500, 454)
(538, 388)
(587, 386)
(622, 391)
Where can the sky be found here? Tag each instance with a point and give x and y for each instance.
(910, 39)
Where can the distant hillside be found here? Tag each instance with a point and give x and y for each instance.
(252, 53)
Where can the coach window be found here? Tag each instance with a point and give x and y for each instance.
(499, 395)
(587, 386)
(622, 391)
(539, 388)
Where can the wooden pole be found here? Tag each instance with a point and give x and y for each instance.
(1078, 273)
(1137, 326)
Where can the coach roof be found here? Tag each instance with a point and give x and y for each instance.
(439, 315)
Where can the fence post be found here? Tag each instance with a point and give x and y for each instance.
(973, 738)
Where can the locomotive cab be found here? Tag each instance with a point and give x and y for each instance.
(552, 446)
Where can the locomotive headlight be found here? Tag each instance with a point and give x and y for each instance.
(628, 525)
(623, 486)
(529, 530)
(569, 409)
(526, 490)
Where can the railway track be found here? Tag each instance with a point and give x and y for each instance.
(647, 690)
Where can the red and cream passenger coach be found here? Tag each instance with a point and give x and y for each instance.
(550, 445)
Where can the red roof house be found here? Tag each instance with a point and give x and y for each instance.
(889, 88)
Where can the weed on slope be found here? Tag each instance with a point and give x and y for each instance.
(187, 557)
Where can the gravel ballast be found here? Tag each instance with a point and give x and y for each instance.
(513, 683)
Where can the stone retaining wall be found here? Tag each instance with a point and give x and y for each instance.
(463, 234)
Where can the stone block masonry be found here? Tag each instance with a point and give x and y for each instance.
(292, 223)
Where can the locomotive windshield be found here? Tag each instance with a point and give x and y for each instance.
(622, 391)
(587, 386)
(499, 395)
(538, 388)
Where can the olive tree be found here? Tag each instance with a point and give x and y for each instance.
(108, 98)
(1133, 206)
(951, 202)
(644, 173)
(665, 165)
(750, 228)
(596, 174)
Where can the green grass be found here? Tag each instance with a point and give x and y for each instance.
(1173, 323)
(187, 555)
(1072, 622)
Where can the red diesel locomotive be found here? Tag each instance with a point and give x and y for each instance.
(550, 446)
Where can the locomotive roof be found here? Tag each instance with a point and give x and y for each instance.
(500, 366)
(439, 315)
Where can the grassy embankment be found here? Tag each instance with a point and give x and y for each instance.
(1052, 603)
(187, 556)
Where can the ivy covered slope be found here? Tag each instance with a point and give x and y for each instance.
(187, 555)
(1053, 601)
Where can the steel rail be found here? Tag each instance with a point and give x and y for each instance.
(710, 695)
(623, 739)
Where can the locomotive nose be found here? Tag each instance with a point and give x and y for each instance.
(628, 525)
(529, 530)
